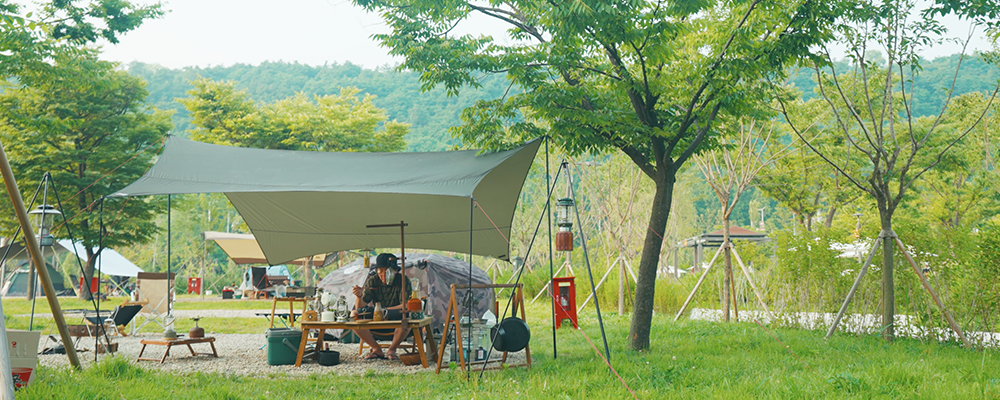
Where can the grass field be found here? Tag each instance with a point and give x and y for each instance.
(690, 359)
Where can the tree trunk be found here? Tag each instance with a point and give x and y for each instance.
(645, 289)
(829, 216)
(32, 276)
(307, 268)
(888, 288)
(727, 276)
(88, 274)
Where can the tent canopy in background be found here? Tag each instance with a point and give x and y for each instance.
(243, 248)
(110, 261)
(301, 203)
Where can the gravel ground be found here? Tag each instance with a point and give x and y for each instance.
(239, 354)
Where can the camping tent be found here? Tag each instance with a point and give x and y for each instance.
(110, 261)
(242, 248)
(436, 274)
(16, 283)
(301, 203)
(274, 270)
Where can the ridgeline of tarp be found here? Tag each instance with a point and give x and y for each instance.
(301, 203)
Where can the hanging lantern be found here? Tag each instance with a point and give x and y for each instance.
(43, 222)
(564, 237)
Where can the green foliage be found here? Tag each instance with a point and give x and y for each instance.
(343, 122)
(29, 38)
(429, 114)
(647, 79)
(87, 124)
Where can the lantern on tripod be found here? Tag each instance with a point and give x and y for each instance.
(44, 216)
(564, 237)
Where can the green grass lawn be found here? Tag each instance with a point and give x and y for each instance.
(690, 359)
(19, 305)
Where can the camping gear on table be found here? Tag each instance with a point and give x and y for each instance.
(434, 274)
(197, 331)
(282, 345)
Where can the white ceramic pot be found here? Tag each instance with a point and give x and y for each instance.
(327, 316)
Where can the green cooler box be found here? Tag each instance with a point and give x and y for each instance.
(282, 345)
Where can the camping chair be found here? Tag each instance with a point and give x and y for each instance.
(385, 340)
(152, 289)
(260, 282)
(120, 317)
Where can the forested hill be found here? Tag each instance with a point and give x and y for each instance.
(429, 113)
(930, 87)
(432, 113)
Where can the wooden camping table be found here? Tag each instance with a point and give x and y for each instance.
(175, 342)
(291, 305)
(417, 325)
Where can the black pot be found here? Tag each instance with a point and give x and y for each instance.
(328, 357)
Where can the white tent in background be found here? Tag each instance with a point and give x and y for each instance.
(110, 261)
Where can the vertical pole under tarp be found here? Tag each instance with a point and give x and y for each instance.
(168, 258)
(548, 216)
(468, 292)
(36, 256)
(402, 260)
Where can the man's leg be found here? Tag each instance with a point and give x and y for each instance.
(366, 336)
(397, 338)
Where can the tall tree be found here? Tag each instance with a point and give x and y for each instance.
(801, 180)
(647, 78)
(871, 107)
(84, 121)
(729, 170)
(30, 37)
(344, 122)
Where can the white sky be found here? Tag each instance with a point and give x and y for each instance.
(313, 32)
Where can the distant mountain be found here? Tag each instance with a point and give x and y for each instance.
(429, 113)
(930, 87)
(432, 113)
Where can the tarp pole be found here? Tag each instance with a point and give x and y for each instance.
(548, 216)
(43, 274)
(586, 259)
(168, 259)
(468, 292)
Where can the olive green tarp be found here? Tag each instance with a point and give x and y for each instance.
(301, 203)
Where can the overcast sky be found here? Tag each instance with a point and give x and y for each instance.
(216, 32)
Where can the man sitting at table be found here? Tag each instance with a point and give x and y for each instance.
(386, 287)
